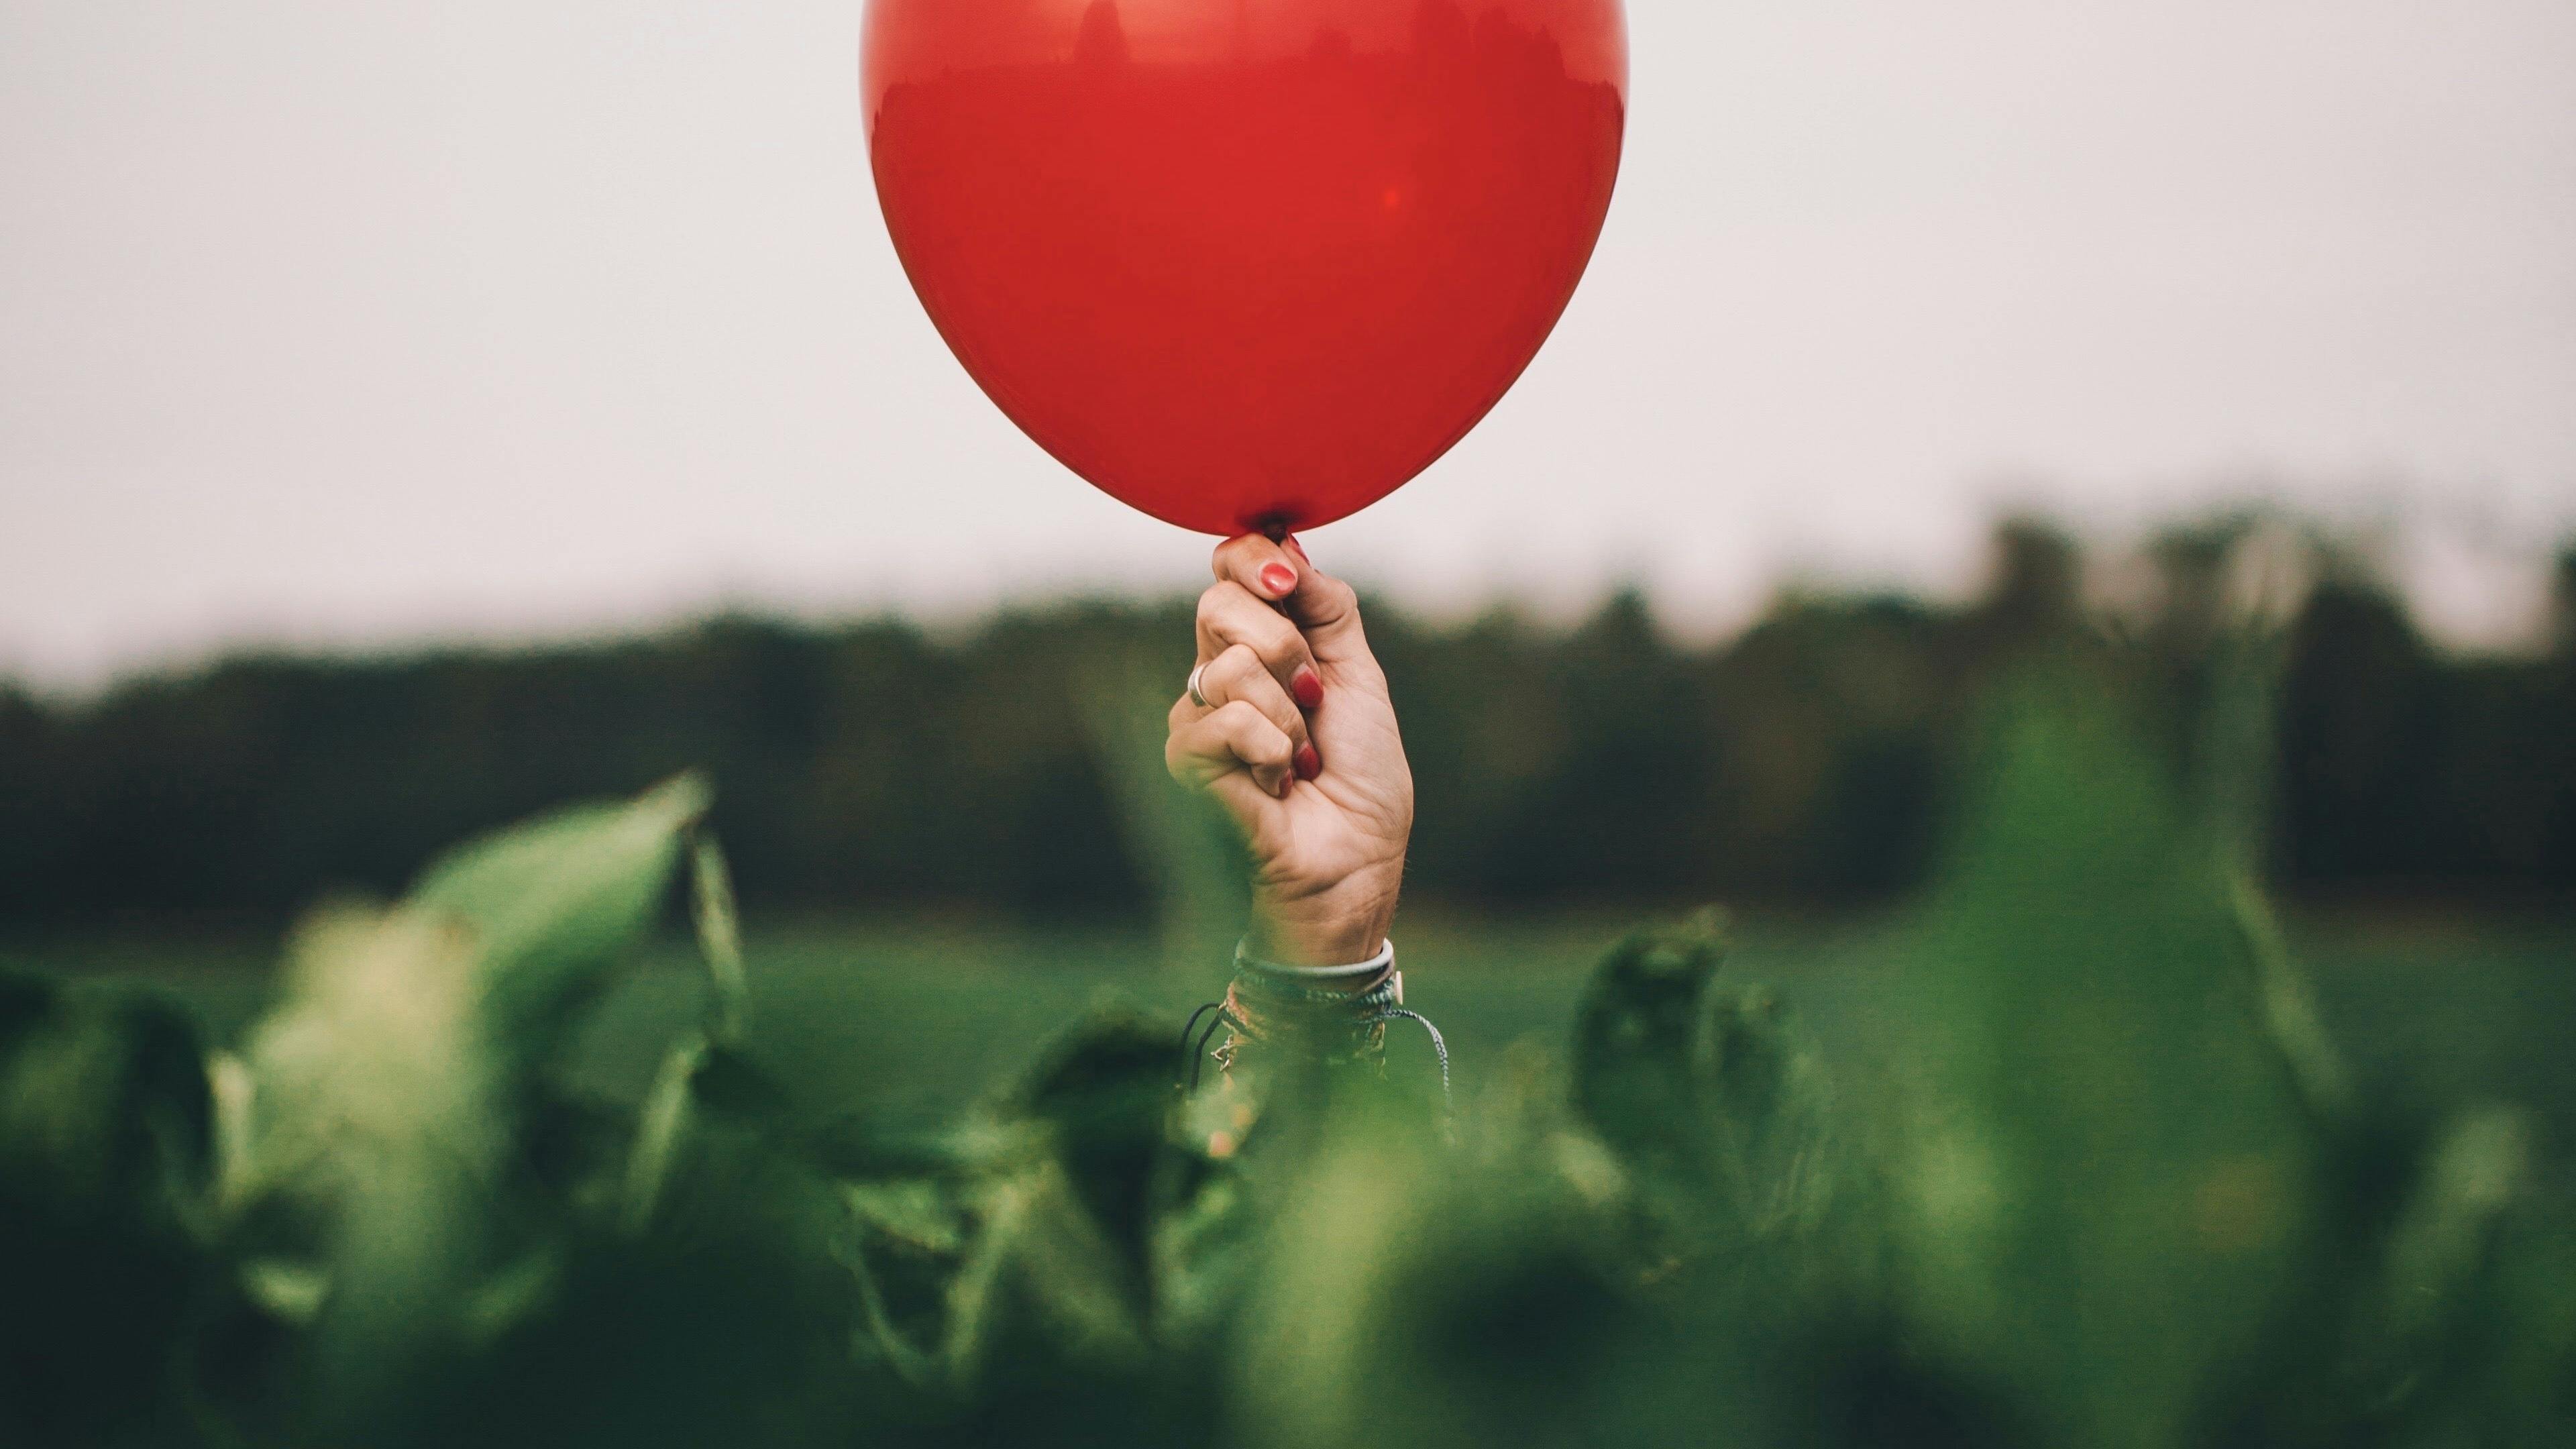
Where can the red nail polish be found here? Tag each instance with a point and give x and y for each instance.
(1308, 689)
(1309, 763)
(1284, 782)
(1298, 549)
(1278, 578)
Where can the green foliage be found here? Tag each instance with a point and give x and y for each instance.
(1709, 1093)
(2094, 1087)
(552, 906)
(105, 1155)
(2111, 1183)
(376, 1198)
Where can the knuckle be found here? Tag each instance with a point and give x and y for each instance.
(1230, 610)
(1276, 706)
(1279, 642)
(1232, 670)
(1254, 735)
(1239, 676)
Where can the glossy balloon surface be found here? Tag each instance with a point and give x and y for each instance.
(1245, 263)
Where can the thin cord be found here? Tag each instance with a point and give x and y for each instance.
(1438, 1046)
(1198, 1058)
(1189, 1059)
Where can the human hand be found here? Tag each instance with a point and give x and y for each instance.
(1298, 740)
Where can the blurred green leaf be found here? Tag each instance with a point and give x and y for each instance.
(1104, 1091)
(658, 1132)
(104, 1167)
(1710, 1093)
(553, 904)
(105, 1155)
(373, 1193)
(2105, 1181)
(719, 941)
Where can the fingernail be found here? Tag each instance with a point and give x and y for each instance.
(1298, 549)
(1309, 763)
(1278, 578)
(1284, 782)
(1308, 689)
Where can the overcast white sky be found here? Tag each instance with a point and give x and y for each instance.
(351, 324)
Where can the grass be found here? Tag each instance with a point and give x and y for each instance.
(2442, 1011)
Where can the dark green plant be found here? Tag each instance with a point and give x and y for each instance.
(2109, 1183)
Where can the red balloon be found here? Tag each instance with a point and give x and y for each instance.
(1245, 264)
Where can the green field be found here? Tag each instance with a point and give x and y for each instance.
(2090, 1147)
(2433, 1012)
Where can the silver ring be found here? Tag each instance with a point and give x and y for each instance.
(1195, 697)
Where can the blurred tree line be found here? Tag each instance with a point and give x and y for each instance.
(881, 764)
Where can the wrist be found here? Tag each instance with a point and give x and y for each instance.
(1338, 927)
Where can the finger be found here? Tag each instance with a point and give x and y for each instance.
(1232, 742)
(1322, 606)
(1239, 674)
(1263, 567)
(1230, 615)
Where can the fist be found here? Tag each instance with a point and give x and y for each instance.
(1293, 732)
